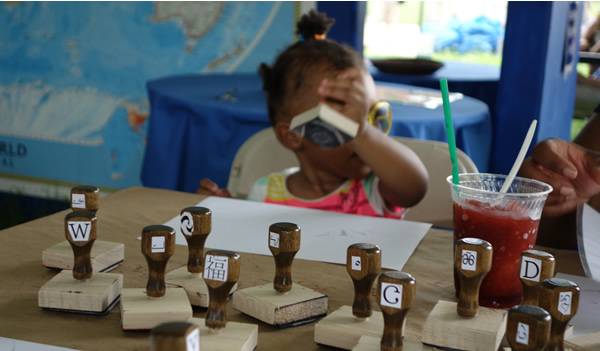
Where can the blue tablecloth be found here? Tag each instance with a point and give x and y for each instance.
(476, 80)
(198, 122)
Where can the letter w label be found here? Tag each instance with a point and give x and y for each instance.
(80, 231)
(531, 268)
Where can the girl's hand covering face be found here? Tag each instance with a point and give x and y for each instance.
(351, 92)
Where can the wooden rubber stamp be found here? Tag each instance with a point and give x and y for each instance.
(147, 308)
(535, 267)
(395, 295)
(105, 255)
(560, 298)
(195, 226)
(221, 273)
(465, 325)
(527, 328)
(344, 327)
(175, 336)
(80, 290)
(85, 198)
(283, 303)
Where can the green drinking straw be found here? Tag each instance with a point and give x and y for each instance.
(449, 130)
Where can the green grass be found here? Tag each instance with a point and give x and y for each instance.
(576, 126)
(583, 69)
(488, 58)
(405, 12)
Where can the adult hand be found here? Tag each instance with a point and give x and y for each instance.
(572, 171)
(208, 187)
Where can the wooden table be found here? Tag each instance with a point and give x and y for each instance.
(121, 218)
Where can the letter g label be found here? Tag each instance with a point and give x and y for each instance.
(391, 295)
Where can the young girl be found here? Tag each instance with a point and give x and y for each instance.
(370, 175)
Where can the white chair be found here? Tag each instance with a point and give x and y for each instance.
(258, 156)
(436, 206)
(262, 154)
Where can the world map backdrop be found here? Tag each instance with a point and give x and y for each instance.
(73, 101)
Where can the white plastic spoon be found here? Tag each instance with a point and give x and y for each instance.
(519, 160)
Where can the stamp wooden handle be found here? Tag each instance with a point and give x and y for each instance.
(395, 295)
(195, 227)
(81, 230)
(535, 267)
(363, 263)
(158, 245)
(175, 336)
(221, 272)
(472, 262)
(85, 198)
(560, 298)
(284, 242)
(528, 328)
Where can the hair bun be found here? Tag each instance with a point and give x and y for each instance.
(314, 25)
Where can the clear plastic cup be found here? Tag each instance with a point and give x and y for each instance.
(509, 222)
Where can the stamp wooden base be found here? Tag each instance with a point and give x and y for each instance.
(97, 295)
(445, 328)
(235, 336)
(568, 332)
(584, 342)
(343, 330)
(194, 285)
(299, 306)
(138, 311)
(105, 256)
(370, 343)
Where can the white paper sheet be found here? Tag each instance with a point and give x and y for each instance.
(588, 240)
(587, 318)
(18, 345)
(242, 226)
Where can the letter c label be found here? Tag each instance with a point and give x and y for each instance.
(391, 295)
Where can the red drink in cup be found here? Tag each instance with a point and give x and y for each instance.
(509, 222)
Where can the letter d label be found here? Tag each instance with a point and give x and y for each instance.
(531, 269)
